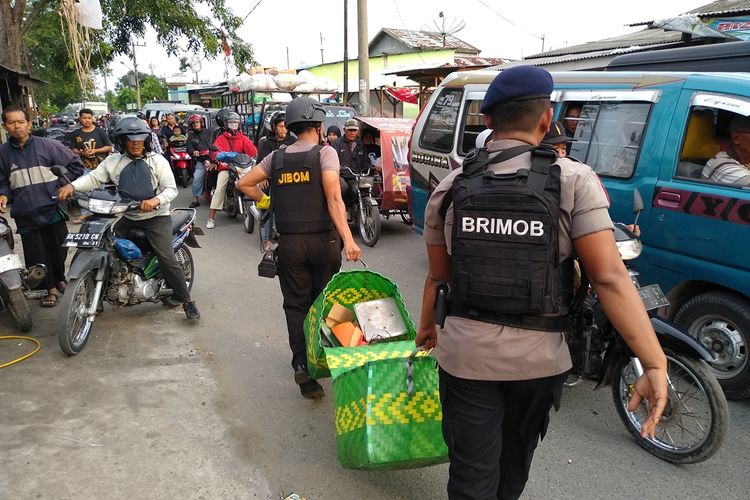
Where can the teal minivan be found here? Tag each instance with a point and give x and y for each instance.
(650, 132)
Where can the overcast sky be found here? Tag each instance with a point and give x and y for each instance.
(498, 28)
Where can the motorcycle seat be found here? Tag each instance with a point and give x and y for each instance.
(138, 236)
(179, 219)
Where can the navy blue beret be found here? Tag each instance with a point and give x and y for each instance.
(517, 83)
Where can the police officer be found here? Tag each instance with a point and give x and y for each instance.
(504, 244)
(310, 219)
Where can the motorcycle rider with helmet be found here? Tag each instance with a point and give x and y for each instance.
(231, 139)
(199, 139)
(147, 177)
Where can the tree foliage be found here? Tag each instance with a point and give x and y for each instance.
(151, 88)
(178, 25)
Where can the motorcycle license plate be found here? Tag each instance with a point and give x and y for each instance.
(653, 297)
(83, 239)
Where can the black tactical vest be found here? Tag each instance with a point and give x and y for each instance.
(299, 203)
(134, 182)
(505, 265)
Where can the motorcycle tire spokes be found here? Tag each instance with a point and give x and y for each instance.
(76, 322)
(693, 424)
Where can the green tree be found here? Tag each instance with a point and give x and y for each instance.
(177, 24)
(152, 88)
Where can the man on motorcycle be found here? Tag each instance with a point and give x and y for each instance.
(199, 139)
(144, 176)
(231, 139)
(352, 156)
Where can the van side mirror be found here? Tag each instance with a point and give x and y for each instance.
(637, 202)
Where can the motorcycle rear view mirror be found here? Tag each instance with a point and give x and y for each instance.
(59, 170)
(637, 205)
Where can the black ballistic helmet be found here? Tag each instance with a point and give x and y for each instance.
(221, 117)
(304, 110)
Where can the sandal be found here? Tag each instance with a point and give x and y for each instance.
(50, 300)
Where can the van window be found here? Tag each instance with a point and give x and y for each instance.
(472, 125)
(608, 137)
(707, 153)
(441, 122)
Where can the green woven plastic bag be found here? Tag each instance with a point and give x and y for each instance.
(348, 288)
(380, 424)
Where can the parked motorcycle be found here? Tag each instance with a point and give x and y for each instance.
(15, 279)
(694, 422)
(182, 164)
(124, 272)
(362, 209)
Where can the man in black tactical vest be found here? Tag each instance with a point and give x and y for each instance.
(305, 197)
(501, 234)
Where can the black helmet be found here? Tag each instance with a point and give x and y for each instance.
(131, 127)
(277, 117)
(229, 117)
(303, 110)
(221, 117)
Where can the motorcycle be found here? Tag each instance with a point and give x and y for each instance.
(235, 203)
(694, 422)
(122, 271)
(363, 209)
(15, 279)
(182, 164)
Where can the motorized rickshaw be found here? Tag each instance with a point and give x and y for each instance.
(391, 165)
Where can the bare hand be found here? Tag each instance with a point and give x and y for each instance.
(150, 204)
(634, 228)
(196, 153)
(3, 203)
(263, 185)
(64, 192)
(210, 166)
(652, 386)
(352, 251)
(427, 337)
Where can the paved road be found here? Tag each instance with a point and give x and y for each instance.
(156, 408)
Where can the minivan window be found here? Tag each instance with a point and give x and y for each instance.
(608, 137)
(710, 151)
(441, 122)
(472, 124)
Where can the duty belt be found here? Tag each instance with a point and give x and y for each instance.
(543, 323)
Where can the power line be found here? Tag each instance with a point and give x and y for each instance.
(510, 22)
(252, 10)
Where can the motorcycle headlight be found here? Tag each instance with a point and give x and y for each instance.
(101, 206)
(630, 249)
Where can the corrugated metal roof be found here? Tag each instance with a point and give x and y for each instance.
(544, 61)
(421, 40)
(723, 7)
(647, 37)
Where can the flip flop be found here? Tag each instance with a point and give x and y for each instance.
(48, 301)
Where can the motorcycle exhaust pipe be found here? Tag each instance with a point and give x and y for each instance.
(35, 275)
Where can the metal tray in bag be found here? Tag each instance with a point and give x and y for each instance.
(380, 319)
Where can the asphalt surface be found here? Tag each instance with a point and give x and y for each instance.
(158, 408)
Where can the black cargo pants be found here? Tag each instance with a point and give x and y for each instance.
(307, 262)
(492, 430)
(159, 234)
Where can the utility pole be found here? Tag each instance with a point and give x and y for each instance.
(364, 59)
(346, 51)
(133, 45)
(287, 58)
(322, 61)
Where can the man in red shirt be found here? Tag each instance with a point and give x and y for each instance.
(231, 138)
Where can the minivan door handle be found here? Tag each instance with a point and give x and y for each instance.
(667, 199)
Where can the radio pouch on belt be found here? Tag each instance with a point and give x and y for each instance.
(505, 265)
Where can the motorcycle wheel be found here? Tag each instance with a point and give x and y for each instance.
(76, 328)
(694, 422)
(369, 224)
(248, 222)
(15, 300)
(230, 204)
(721, 322)
(184, 178)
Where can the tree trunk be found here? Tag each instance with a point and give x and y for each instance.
(10, 38)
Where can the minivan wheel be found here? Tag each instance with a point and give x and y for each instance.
(720, 321)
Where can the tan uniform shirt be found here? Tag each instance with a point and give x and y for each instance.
(484, 351)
